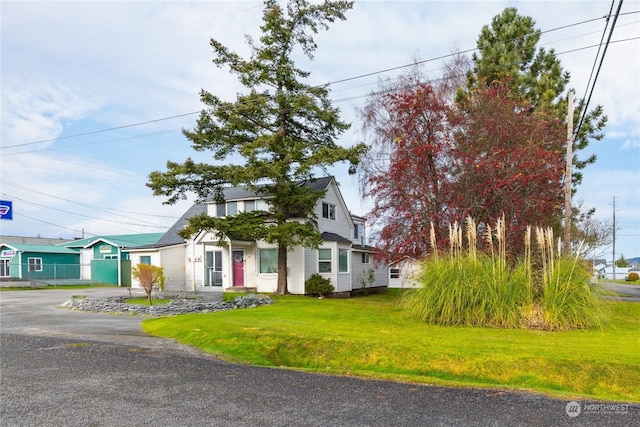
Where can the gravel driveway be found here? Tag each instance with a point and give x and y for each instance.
(68, 368)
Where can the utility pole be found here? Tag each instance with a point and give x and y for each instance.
(567, 177)
(614, 238)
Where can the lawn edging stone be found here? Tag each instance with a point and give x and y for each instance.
(179, 304)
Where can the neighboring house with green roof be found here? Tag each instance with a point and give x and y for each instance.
(104, 259)
(38, 262)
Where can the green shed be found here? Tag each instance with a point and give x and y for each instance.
(38, 262)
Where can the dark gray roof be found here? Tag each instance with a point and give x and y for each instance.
(171, 237)
(240, 193)
(333, 237)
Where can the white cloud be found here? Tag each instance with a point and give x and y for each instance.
(35, 110)
(97, 65)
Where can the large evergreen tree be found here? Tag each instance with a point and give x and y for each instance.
(283, 128)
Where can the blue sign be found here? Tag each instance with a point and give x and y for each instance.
(6, 209)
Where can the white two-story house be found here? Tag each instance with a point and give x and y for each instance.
(206, 262)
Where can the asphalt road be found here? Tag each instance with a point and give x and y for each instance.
(65, 368)
(629, 293)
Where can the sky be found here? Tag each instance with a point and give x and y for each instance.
(95, 95)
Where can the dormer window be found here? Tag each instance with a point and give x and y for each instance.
(328, 211)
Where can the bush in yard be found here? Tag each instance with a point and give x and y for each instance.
(633, 277)
(316, 285)
(149, 276)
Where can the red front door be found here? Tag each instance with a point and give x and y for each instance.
(238, 268)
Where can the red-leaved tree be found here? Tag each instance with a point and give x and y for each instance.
(434, 161)
(509, 160)
(406, 174)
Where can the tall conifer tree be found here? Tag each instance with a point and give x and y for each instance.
(283, 128)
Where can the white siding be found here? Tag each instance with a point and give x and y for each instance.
(408, 273)
(342, 225)
(268, 282)
(172, 261)
(86, 255)
(310, 262)
(381, 272)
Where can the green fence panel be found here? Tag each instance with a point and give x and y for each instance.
(125, 273)
(104, 271)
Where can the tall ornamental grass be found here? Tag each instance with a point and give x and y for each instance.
(543, 290)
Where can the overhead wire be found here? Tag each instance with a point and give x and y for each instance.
(327, 84)
(81, 215)
(606, 46)
(101, 208)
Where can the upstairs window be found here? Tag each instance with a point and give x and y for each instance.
(232, 208)
(221, 210)
(328, 211)
(249, 205)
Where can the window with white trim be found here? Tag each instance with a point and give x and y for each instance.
(394, 273)
(328, 211)
(34, 264)
(343, 260)
(324, 260)
(145, 259)
(4, 268)
(249, 205)
(221, 210)
(268, 261)
(366, 258)
(213, 264)
(232, 208)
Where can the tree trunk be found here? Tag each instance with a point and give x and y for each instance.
(282, 270)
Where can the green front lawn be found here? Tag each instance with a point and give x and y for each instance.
(372, 337)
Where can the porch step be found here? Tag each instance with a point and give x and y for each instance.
(241, 290)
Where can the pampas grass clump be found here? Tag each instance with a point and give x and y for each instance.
(472, 288)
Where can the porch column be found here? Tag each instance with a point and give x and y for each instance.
(231, 278)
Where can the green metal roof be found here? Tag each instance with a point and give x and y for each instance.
(39, 248)
(121, 240)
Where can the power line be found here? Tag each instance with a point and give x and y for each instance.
(86, 204)
(83, 216)
(606, 46)
(102, 130)
(321, 85)
(336, 100)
